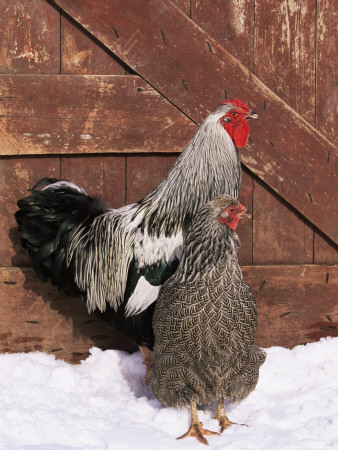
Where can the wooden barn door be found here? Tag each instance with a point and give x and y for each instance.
(106, 94)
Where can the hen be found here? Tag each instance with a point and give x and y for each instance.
(205, 321)
(119, 258)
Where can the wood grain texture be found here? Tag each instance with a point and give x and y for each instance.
(245, 228)
(100, 176)
(297, 304)
(285, 51)
(144, 173)
(280, 236)
(160, 43)
(230, 23)
(16, 176)
(30, 37)
(327, 88)
(82, 55)
(34, 316)
(87, 114)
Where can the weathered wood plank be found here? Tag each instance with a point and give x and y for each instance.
(297, 304)
(160, 43)
(324, 251)
(81, 55)
(30, 37)
(327, 89)
(280, 237)
(16, 176)
(100, 176)
(230, 23)
(245, 228)
(87, 114)
(34, 316)
(285, 48)
(144, 173)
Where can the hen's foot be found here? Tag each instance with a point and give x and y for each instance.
(223, 421)
(196, 430)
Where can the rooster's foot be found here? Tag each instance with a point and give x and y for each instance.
(147, 361)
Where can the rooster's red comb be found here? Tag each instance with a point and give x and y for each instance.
(236, 102)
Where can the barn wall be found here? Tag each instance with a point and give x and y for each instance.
(287, 45)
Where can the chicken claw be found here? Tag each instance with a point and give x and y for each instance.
(196, 428)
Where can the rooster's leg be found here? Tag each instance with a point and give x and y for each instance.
(147, 361)
(196, 427)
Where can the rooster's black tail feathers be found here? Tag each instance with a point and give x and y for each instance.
(47, 219)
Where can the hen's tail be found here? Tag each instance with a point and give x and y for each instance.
(47, 219)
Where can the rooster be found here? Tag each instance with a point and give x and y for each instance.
(118, 259)
(205, 321)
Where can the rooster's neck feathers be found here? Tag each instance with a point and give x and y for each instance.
(209, 166)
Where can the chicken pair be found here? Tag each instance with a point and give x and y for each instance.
(120, 259)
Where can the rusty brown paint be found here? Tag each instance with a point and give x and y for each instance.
(327, 90)
(87, 114)
(293, 302)
(30, 37)
(279, 235)
(100, 176)
(230, 23)
(17, 175)
(81, 55)
(61, 326)
(65, 329)
(293, 167)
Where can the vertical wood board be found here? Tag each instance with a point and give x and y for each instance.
(17, 175)
(285, 51)
(327, 88)
(230, 23)
(280, 237)
(30, 37)
(100, 176)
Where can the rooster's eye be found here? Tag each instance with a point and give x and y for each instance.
(234, 115)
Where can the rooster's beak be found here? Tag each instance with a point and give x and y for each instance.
(252, 115)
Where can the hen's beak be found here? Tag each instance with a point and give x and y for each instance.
(252, 115)
(245, 214)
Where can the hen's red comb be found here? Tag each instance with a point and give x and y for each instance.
(236, 102)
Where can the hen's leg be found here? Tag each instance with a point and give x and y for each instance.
(196, 427)
(147, 361)
(224, 422)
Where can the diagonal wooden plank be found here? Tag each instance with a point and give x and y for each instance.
(190, 69)
(53, 114)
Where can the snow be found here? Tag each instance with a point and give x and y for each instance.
(103, 403)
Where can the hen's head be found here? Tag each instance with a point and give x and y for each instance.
(235, 121)
(229, 211)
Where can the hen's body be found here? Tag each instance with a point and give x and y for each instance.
(205, 320)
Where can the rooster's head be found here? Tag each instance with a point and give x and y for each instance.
(235, 121)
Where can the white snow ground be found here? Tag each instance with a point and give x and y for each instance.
(103, 403)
